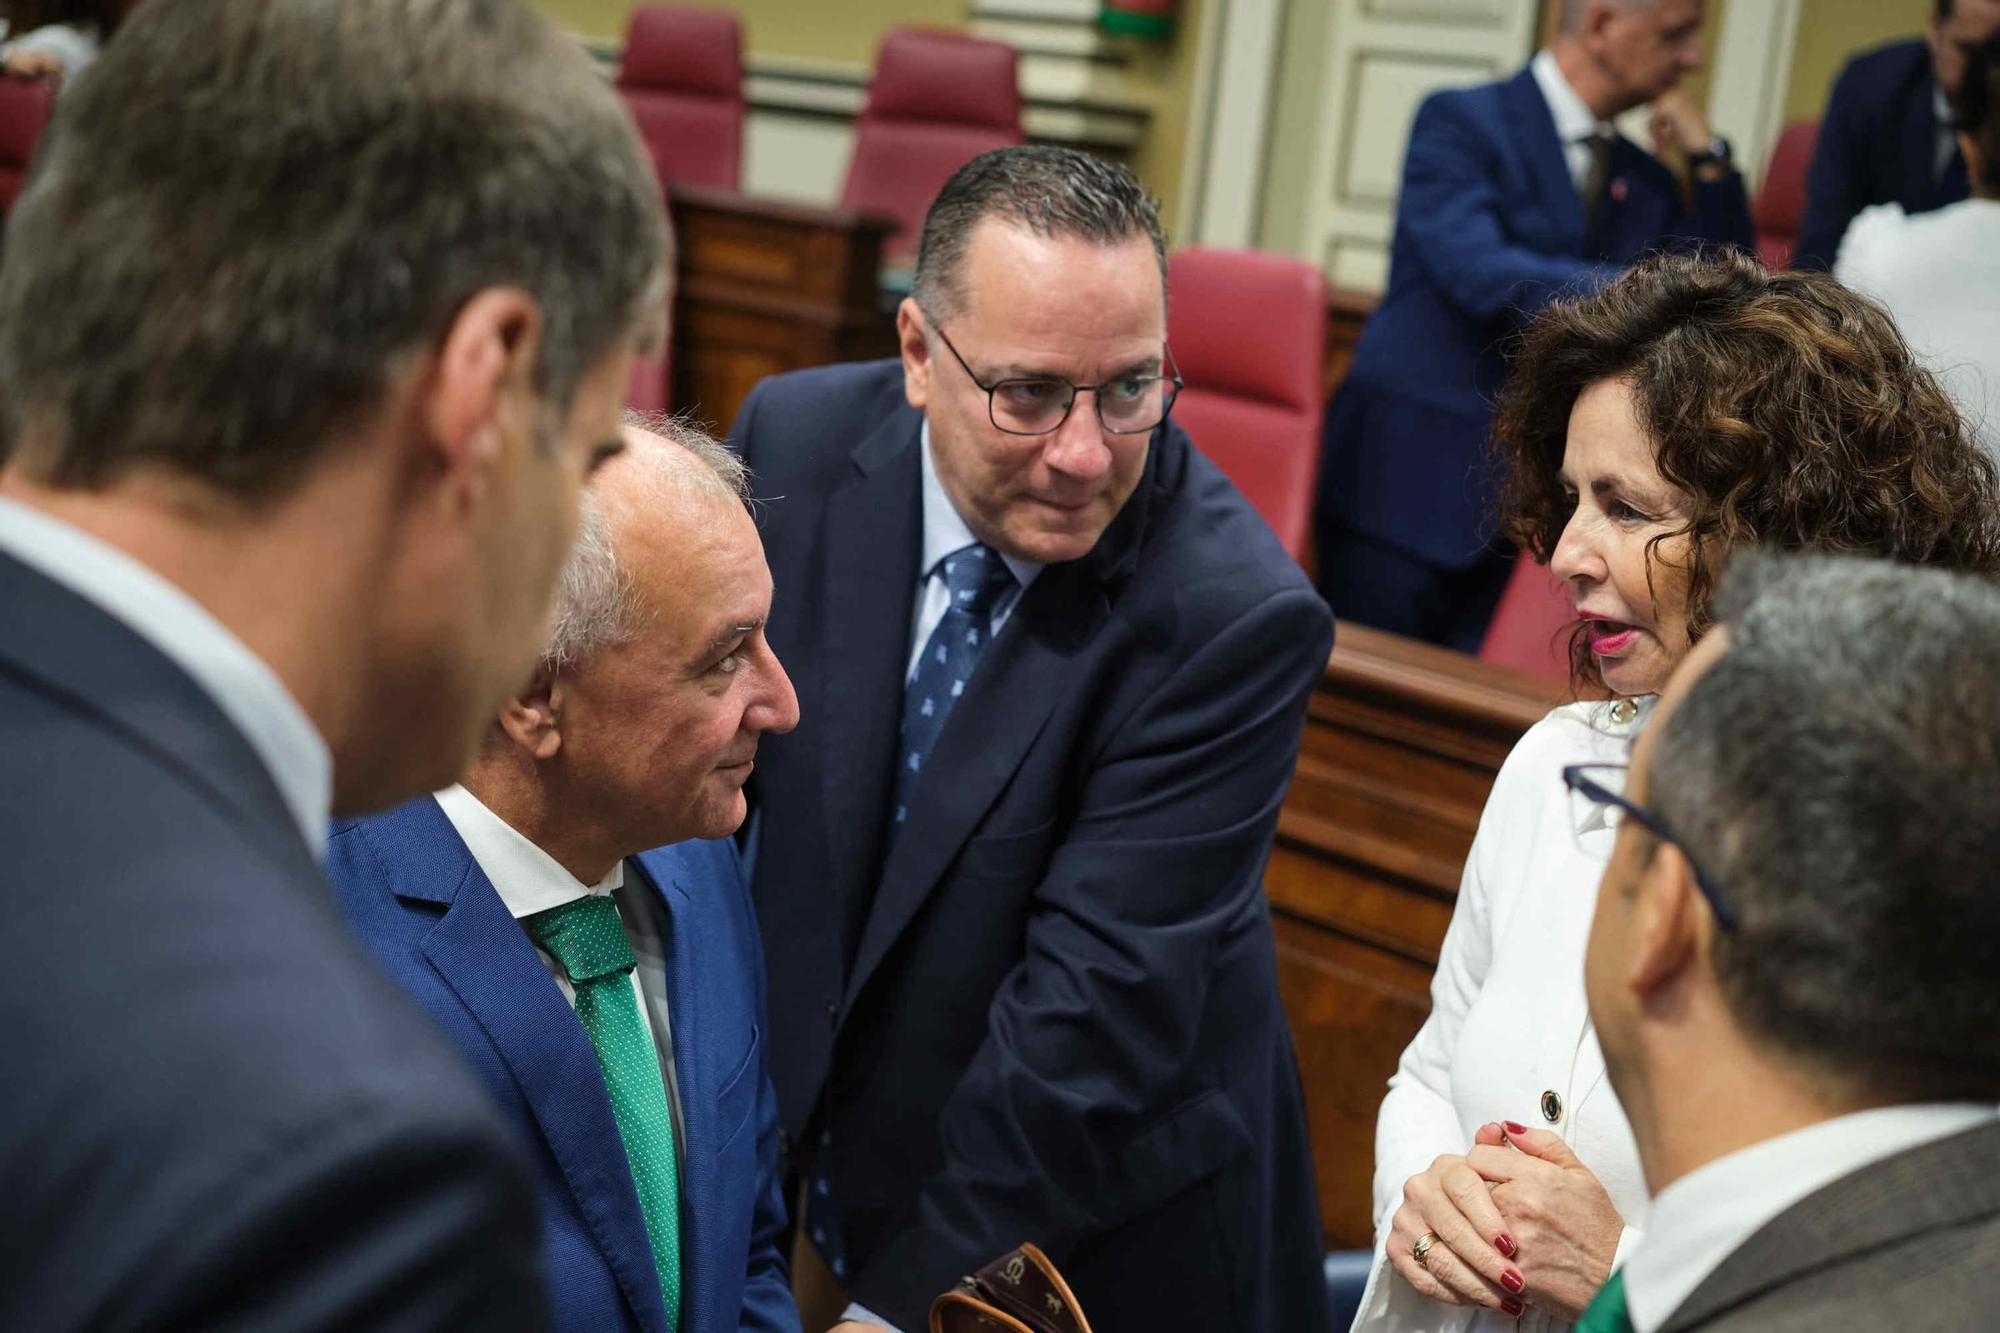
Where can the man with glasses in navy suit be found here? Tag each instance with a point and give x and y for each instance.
(1010, 868)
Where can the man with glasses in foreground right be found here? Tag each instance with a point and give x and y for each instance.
(1010, 866)
(1793, 963)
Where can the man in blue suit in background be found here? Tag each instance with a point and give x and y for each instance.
(611, 998)
(1513, 193)
(1889, 135)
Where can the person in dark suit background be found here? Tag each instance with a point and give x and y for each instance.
(292, 459)
(1009, 869)
(1889, 135)
(660, 1202)
(1791, 965)
(1513, 193)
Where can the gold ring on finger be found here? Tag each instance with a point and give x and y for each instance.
(1421, 1251)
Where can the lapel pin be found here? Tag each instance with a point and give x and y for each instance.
(1619, 191)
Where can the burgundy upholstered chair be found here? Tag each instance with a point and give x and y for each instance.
(936, 101)
(682, 77)
(1781, 199)
(1248, 331)
(24, 113)
(1530, 627)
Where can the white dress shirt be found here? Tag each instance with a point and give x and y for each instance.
(529, 880)
(1576, 125)
(945, 531)
(1939, 275)
(1705, 1216)
(1508, 1019)
(247, 691)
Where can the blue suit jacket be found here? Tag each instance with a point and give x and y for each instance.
(1049, 1011)
(1877, 145)
(1489, 229)
(219, 1114)
(424, 908)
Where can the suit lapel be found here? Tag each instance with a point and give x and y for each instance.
(1931, 1187)
(874, 536)
(482, 953)
(1534, 131)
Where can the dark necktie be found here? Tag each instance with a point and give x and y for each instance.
(1591, 192)
(978, 578)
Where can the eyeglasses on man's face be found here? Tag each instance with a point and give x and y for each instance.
(1595, 787)
(1038, 404)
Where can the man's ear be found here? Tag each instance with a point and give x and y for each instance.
(533, 719)
(1667, 925)
(916, 349)
(485, 360)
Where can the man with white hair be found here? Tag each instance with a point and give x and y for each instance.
(613, 1002)
(1513, 193)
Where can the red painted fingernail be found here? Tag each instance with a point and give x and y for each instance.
(1512, 1282)
(1505, 1244)
(1511, 1306)
(1513, 1128)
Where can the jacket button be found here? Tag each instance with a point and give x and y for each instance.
(833, 1015)
(1552, 1107)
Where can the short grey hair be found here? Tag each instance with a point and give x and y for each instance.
(1050, 191)
(597, 604)
(1836, 775)
(251, 215)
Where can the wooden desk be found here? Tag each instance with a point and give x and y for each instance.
(762, 287)
(1402, 743)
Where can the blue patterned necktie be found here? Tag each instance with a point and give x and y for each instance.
(978, 578)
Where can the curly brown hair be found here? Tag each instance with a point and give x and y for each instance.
(1786, 408)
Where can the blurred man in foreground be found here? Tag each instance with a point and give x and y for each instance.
(1793, 959)
(301, 370)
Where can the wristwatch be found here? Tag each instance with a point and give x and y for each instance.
(1718, 152)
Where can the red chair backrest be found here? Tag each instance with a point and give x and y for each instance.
(1781, 199)
(936, 101)
(24, 113)
(1530, 627)
(1248, 331)
(682, 78)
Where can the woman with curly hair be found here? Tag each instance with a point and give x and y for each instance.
(1693, 408)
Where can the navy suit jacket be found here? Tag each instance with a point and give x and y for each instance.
(1489, 229)
(218, 1113)
(1050, 1011)
(423, 907)
(1877, 145)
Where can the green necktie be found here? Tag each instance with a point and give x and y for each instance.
(1607, 1314)
(588, 939)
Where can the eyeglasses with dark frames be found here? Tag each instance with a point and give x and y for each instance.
(1592, 783)
(1037, 405)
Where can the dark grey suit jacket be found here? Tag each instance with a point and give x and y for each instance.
(1910, 1243)
(218, 1114)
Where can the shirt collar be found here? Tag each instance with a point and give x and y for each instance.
(1573, 119)
(1706, 1215)
(945, 529)
(242, 685)
(527, 878)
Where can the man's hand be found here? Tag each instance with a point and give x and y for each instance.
(854, 1326)
(1560, 1217)
(35, 65)
(1678, 127)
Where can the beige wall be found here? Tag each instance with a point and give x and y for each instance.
(1160, 75)
(1832, 30)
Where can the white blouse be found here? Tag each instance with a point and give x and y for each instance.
(1508, 1021)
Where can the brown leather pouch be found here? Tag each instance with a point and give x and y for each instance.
(1020, 1292)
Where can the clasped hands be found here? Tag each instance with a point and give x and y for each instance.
(1517, 1219)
